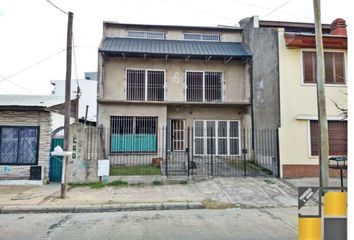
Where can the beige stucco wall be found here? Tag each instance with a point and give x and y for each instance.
(111, 31)
(191, 113)
(235, 87)
(29, 118)
(297, 98)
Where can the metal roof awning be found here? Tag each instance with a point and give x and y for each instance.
(132, 47)
(315, 117)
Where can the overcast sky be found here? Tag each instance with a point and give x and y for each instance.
(33, 32)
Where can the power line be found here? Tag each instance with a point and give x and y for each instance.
(61, 10)
(277, 8)
(33, 65)
(17, 85)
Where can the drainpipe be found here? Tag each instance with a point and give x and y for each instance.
(250, 72)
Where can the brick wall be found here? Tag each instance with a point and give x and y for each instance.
(29, 118)
(304, 170)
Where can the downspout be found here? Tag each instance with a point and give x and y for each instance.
(250, 72)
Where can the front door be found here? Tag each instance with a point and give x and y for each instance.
(177, 135)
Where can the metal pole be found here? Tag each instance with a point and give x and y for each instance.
(321, 98)
(67, 102)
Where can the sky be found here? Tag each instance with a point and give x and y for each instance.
(33, 32)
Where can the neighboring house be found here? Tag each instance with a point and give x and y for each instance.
(284, 88)
(87, 97)
(25, 136)
(156, 79)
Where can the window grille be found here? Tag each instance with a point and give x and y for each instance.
(145, 34)
(204, 86)
(145, 85)
(133, 134)
(19, 145)
(201, 37)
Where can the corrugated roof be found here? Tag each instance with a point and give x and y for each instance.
(31, 100)
(173, 48)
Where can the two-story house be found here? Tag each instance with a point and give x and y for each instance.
(173, 88)
(284, 86)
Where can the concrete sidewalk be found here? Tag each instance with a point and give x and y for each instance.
(240, 192)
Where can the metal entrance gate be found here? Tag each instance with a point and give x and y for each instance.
(211, 151)
(56, 162)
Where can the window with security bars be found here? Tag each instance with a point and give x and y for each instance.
(145, 34)
(145, 85)
(337, 138)
(216, 137)
(334, 67)
(19, 145)
(133, 134)
(204, 86)
(201, 37)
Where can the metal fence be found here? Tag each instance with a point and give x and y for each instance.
(206, 151)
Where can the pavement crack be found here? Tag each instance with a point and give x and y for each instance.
(278, 218)
(52, 228)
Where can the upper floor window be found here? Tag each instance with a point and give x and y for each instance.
(145, 85)
(201, 37)
(146, 34)
(334, 67)
(204, 86)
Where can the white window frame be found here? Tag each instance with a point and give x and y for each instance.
(203, 71)
(146, 83)
(326, 84)
(201, 37)
(146, 34)
(216, 137)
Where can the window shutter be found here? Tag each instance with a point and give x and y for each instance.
(339, 68)
(309, 69)
(329, 70)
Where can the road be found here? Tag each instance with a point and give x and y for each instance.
(243, 224)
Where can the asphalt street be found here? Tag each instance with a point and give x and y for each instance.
(260, 224)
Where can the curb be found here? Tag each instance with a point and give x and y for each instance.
(101, 208)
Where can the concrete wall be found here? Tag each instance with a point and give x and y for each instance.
(296, 99)
(263, 43)
(29, 118)
(115, 31)
(86, 148)
(235, 87)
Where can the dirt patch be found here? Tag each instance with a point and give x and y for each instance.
(213, 204)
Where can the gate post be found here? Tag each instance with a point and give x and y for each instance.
(277, 146)
(212, 150)
(188, 152)
(244, 152)
(166, 149)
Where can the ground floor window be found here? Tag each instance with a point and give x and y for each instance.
(337, 137)
(133, 134)
(19, 145)
(218, 137)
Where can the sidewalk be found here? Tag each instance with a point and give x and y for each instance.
(238, 192)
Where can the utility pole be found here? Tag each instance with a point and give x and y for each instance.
(67, 103)
(321, 98)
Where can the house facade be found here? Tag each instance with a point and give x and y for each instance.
(176, 88)
(25, 137)
(284, 60)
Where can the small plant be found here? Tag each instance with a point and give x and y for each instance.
(157, 183)
(183, 182)
(117, 183)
